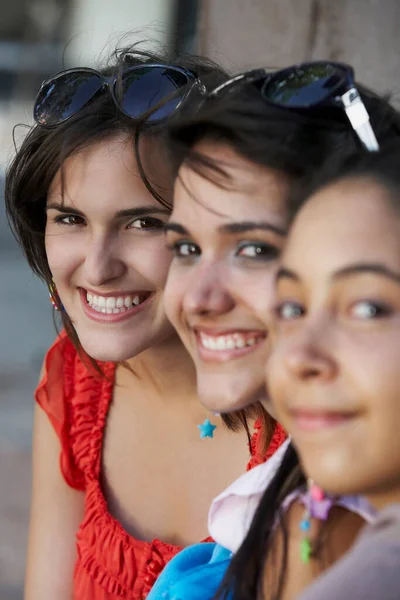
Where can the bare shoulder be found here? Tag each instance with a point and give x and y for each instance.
(56, 512)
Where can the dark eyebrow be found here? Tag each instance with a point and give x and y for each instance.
(63, 208)
(351, 270)
(360, 268)
(232, 228)
(138, 211)
(245, 226)
(286, 274)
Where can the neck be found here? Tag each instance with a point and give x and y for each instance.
(381, 499)
(168, 370)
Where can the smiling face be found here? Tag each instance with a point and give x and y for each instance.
(106, 250)
(226, 244)
(334, 373)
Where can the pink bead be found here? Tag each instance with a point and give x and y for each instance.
(316, 493)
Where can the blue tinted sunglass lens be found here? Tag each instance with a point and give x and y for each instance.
(304, 86)
(139, 91)
(62, 97)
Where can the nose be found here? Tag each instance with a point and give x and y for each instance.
(208, 294)
(308, 355)
(103, 263)
(309, 363)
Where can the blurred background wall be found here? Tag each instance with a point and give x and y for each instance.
(39, 37)
(277, 33)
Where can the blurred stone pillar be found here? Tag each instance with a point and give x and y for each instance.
(97, 27)
(276, 33)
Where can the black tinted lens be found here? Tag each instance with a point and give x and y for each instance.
(62, 97)
(141, 90)
(304, 86)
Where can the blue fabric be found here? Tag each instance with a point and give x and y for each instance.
(193, 574)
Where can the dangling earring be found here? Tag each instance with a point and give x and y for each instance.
(54, 297)
(317, 506)
(206, 429)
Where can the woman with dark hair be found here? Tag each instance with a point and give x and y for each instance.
(240, 160)
(334, 373)
(122, 477)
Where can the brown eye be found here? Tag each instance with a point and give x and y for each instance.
(146, 223)
(258, 251)
(69, 220)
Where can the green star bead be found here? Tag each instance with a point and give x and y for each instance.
(305, 550)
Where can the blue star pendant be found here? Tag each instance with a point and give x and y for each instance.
(206, 429)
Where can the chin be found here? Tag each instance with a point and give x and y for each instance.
(228, 394)
(111, 353)
(119, 345)
(112, 348)
(334, 475)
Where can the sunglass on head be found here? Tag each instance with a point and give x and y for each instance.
(310, 85)
(149, 88)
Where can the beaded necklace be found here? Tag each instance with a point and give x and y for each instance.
(317, 506)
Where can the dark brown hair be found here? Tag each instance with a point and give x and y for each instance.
(44, 151)
(343, 158)
(297, 144)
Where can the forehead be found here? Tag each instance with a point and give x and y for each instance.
(249, 192)
(105, 173)
(346, 222)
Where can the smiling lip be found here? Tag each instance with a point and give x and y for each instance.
(223, 346)
(318, 420)
(112, 318)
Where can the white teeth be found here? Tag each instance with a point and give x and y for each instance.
(220, 343)
(110, 302)
(103, 310)
(213, 344)
(226, 342)
(240, 342)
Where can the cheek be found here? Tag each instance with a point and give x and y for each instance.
(258, 292)
(370, 360)
(63, 254)
(173, 295)
(277, 380)
(376, 372)
(152, 261)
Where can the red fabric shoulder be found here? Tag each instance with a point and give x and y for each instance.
(258, 455)
(75, 399)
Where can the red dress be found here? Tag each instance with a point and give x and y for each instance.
(111, 564)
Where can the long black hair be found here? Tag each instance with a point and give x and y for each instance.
(296, 144)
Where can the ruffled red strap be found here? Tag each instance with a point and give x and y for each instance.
(76, 400)
(259, 456)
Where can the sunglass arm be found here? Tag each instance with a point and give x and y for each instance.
(359, 119)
